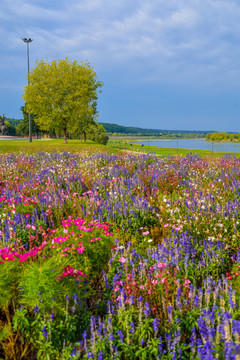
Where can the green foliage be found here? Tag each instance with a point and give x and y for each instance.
(98, 134)
(223, 136)
(23, 127)
(10, 274)
(11, 130)
(118, 130)
(39, 284)
(13, 121)
(61, 93)
(5, 332)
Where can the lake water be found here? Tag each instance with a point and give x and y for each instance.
(194, 144)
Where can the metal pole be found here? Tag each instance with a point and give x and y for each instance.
(29, 115)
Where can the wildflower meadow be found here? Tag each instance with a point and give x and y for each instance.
(119, 256)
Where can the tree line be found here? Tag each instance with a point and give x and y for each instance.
(222, 136)
(121, 130)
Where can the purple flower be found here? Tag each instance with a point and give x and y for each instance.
(111, 337)
(169, 309)
(132, 302)
(44, 332)
(75, 297)
(147, 310)
(156, 323)
(132, 329)
(160, 345)
(36, 309)
(120, 334)
(100, 355)
(85, 340)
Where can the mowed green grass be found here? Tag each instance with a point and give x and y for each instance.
(162, 151)
(56, 145)
(77, 146)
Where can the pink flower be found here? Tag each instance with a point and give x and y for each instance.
(80, 250)
(60, 239)
(8, 257)
(95, 239)
(146, 233)
(122, 260)
(27, 255)
(78, 221)
(161, 265)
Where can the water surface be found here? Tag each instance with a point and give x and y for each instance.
(193, 144)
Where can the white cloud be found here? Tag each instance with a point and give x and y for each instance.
(177, 41)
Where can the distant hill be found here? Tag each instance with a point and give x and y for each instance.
(114, 128)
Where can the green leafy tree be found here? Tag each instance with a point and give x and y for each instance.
(98, 134)
(85, 124)
(13, 121)
(60, 93)
(23, 127)
(11, 131)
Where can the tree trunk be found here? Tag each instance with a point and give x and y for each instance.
(65, 135)
(85, 136)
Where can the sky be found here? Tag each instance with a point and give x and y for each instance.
(165, 64)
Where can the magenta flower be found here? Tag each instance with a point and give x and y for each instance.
(122, 260)
(80, 249)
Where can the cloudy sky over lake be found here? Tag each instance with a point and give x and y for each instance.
(165, 64)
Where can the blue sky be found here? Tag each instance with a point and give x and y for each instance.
(165, 64)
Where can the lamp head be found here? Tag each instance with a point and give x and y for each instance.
(27, 40)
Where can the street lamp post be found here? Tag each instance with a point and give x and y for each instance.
(28, 41)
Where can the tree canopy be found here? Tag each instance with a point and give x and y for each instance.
(61, 93)
(223, 136)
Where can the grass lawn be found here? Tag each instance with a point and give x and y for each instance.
(55, 145)
(76, 146)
